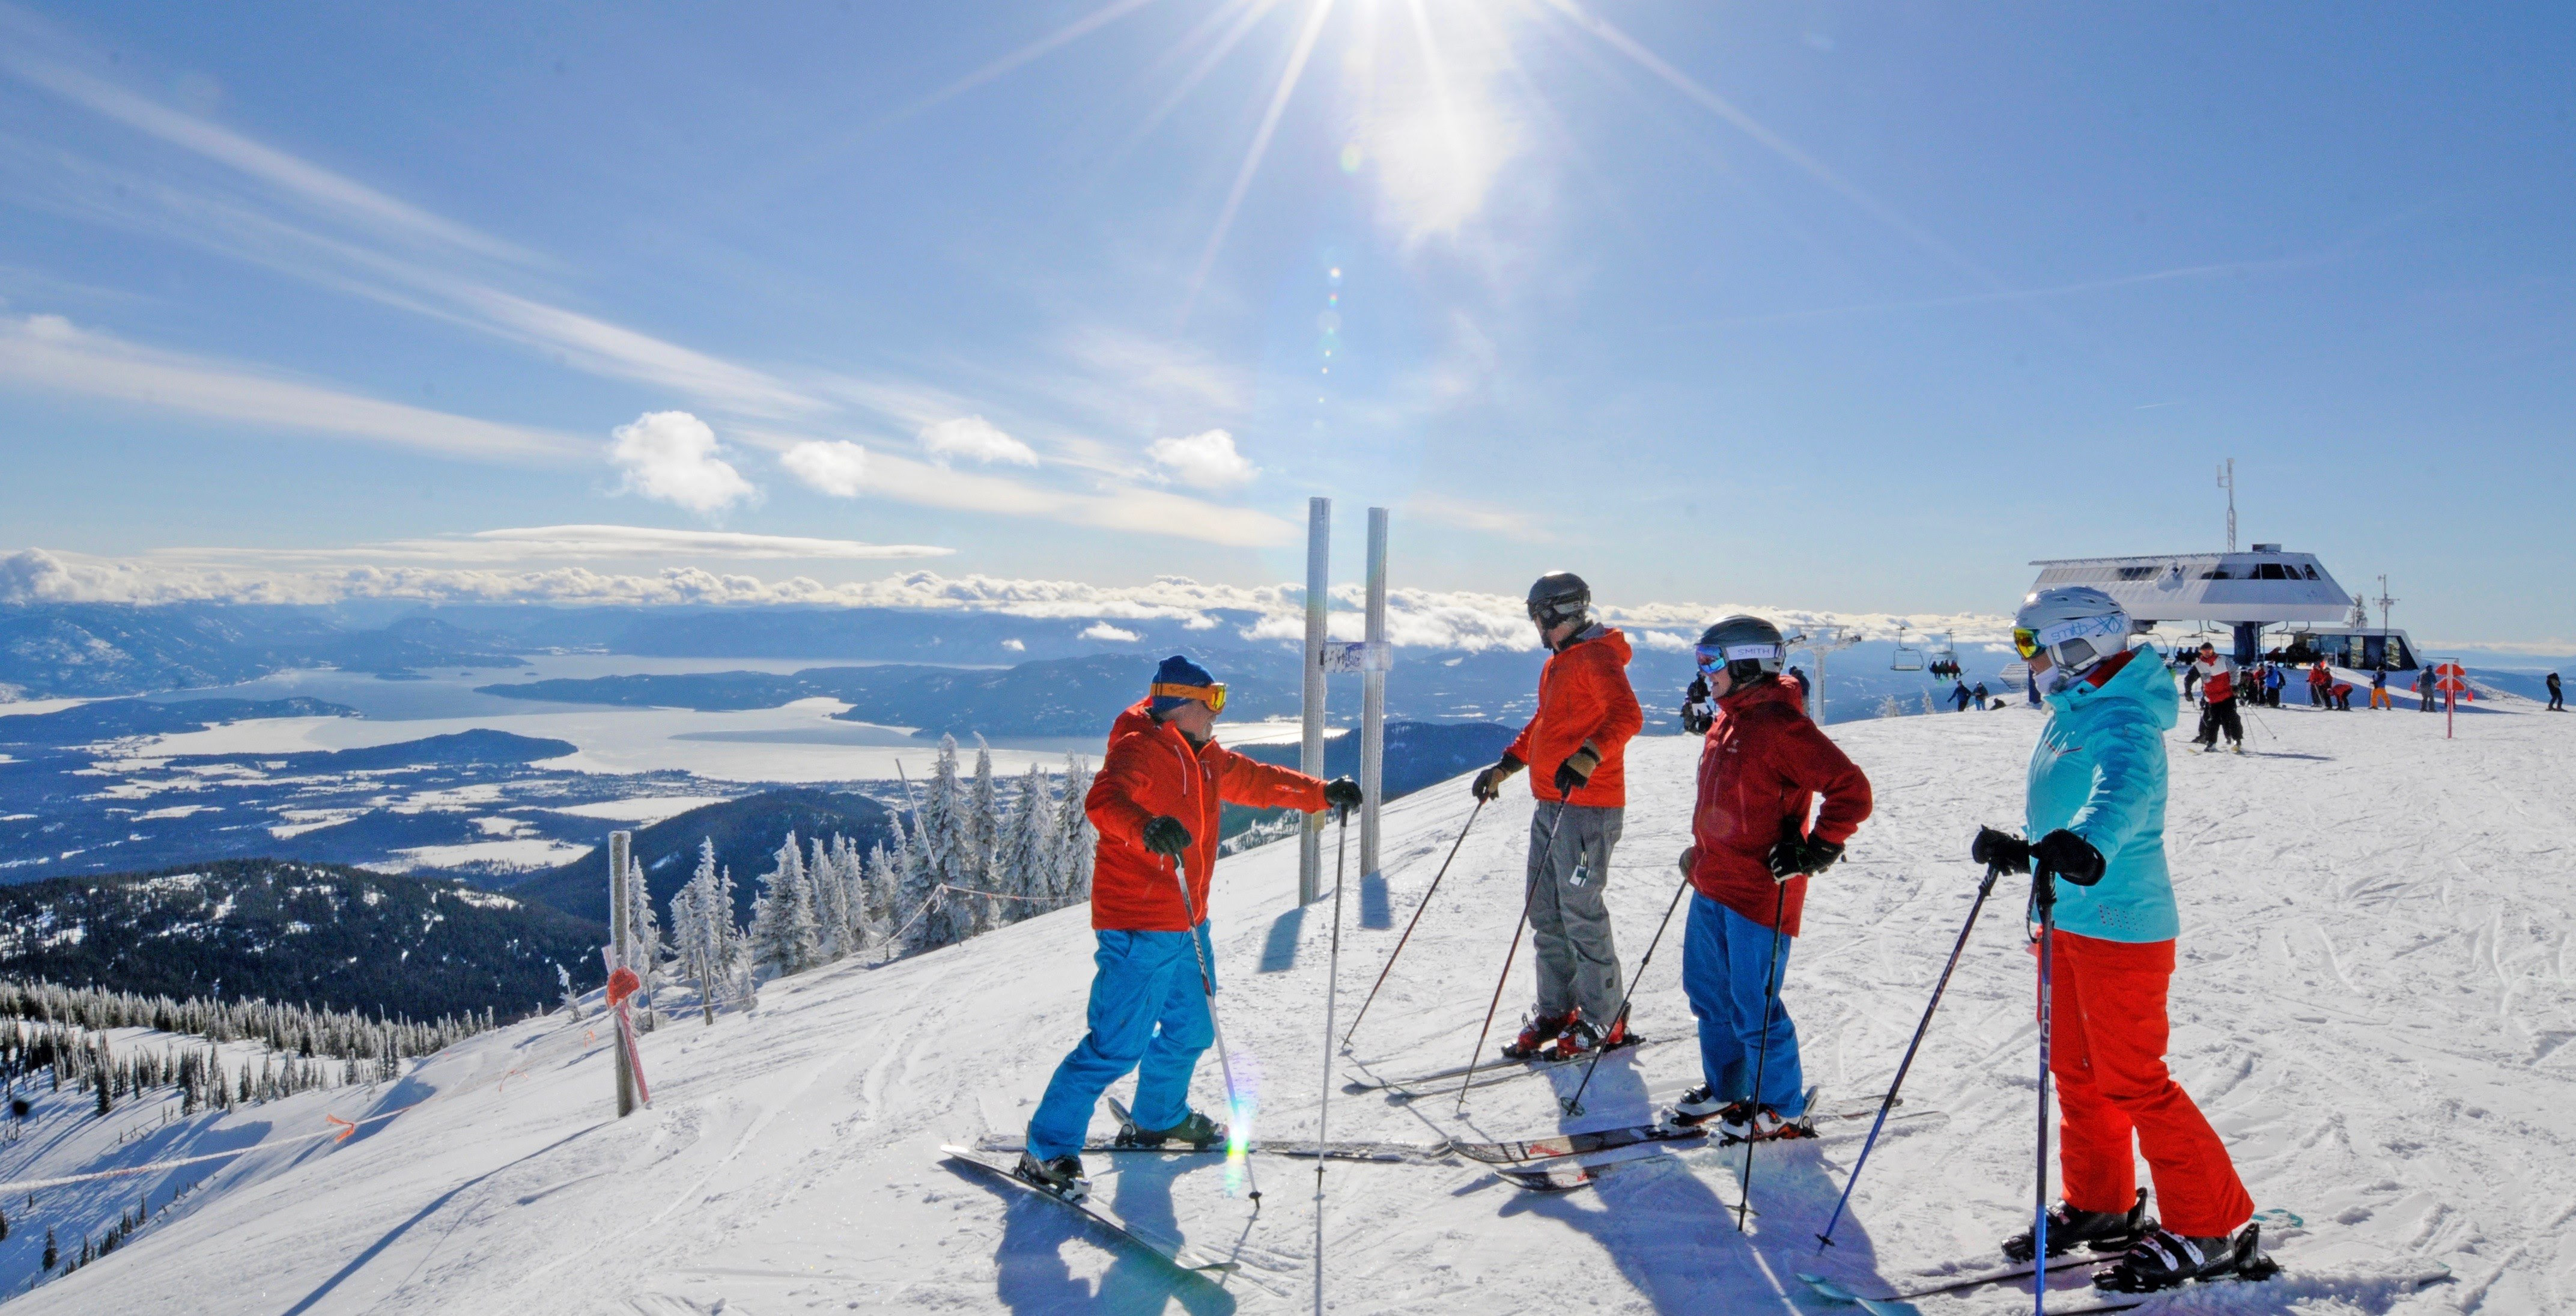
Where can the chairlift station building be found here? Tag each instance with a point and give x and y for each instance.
(2244, 591)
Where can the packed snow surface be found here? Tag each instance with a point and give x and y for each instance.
(2373, 1005)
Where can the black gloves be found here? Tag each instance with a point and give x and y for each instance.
(1697, 716)
(2069, 856)
(1166, 836)
(1690, 860)
(1577, 769)
(2001, 850)
(1798, 855)
(1342, 795)
(1489, 783)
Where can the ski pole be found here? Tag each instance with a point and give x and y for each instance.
(2043, 893)
(1826, 1239)
(1573, 1105)
(1324, 1093)
(1529, 893)
(1408, 923)
(1224, 1060)
(1762, 1050)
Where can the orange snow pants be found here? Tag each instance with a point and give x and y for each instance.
(2107, 1051)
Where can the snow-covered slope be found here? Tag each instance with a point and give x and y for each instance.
(2373, 1004)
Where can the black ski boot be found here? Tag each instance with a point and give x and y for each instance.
(1195, 1130)
(1696, 1108)
(2163, 1260)
(1536, 1032)
(1061, 1176)
(2107, 1231)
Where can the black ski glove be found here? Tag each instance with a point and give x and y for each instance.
(1798, 855)
(1489, 783)
(1341, 795)
(2064, 854)
(1696, 714)
(1167, 836)
(1576, 769)
(2001, 850)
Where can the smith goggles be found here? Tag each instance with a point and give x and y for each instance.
(2028, 642)
(1212, 695)
(1712, 657)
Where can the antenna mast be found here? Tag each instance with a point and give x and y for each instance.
(2384, 602)
(2227, 481)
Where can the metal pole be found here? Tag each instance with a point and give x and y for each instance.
(2044, 894)
(1762, 1050)
(1373, 695)
(618, 935)
(1310, 760)
(1324, 1093)
(1224, 1058)
(1408, 923)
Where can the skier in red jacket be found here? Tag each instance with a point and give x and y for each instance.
(1155, 805)
(1760, 770)
(1575, 745)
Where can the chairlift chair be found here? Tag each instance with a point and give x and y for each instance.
(1907, 658)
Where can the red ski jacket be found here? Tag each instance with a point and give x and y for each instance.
(1583, 695)
(1761, 768)
(1150, 771)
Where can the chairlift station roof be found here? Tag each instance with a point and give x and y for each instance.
(2262, 586)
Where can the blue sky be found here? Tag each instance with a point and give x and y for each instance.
(1828, 306)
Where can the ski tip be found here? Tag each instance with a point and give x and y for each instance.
(1827, 1289)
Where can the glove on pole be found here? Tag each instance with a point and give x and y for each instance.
(1408, 923)
(1224, 1060)
(1529, 893)
(1762, 1050)
(1993, 871)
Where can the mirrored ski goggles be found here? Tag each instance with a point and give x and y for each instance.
(2028, 642)
(1712, 657)
(1211, 695)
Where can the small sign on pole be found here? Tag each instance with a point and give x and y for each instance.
(1356, 657)
(2453, 681)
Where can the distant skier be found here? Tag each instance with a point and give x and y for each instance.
(2096, 801)
(2320, 685)
(2273, 680)
(1983, 697)
(2218, 709)
(2424, 686)
(1154, 804)
(1576, 745)
(1959, 695)
(2379, 689)
(2557, 701)
(1751, 852)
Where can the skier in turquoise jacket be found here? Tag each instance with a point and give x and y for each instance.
(2096, 803)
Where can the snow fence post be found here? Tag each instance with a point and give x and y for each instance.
(1310, 758)
(618, 933)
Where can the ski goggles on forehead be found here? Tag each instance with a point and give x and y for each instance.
(1212, 695)
(1712, 657)
(2028, 641)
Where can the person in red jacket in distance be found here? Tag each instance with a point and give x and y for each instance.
(1752, 849)
(1155, 805)
(1575, 745)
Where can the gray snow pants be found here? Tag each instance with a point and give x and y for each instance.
(1570, 925)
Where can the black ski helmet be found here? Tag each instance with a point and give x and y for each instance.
(1557, 597)
(1747, 647)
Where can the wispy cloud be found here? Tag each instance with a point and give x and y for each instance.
(975, 439)
(571, 543)
(49, 353)
(1465, 514)
(838, 468)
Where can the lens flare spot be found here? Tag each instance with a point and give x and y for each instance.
(1351, 158)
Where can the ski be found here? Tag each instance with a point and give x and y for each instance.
(1831, 1291)
(1566, 1174)
(1571, 1144)
(1483, 1074)
(1381, 1153)
(1178, 1253)
(2431, 1273)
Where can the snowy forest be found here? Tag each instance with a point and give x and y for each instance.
(977, 854)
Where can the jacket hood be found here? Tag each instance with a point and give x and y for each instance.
(2140, 681)
(1138, 720)
(1603, 635)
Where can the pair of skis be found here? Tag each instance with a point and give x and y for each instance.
(1484, 1073)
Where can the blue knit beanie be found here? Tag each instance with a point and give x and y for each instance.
(1177, 670)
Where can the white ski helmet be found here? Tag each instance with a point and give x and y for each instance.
(2077, 624)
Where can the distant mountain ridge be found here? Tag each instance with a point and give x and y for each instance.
(65, 650)
(313, 934)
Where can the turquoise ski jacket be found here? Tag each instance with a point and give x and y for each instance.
(2099, 772)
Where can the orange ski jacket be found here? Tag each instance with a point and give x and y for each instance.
(1583, 695)
(1151, 771)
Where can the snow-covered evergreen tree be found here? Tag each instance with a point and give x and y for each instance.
(983, 842)
(783, 934)
(823, 886)
(1022, 851)
(1074, 836)
(883, 878)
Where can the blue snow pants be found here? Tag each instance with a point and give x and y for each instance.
(1148, 1013)
(1723, 958)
